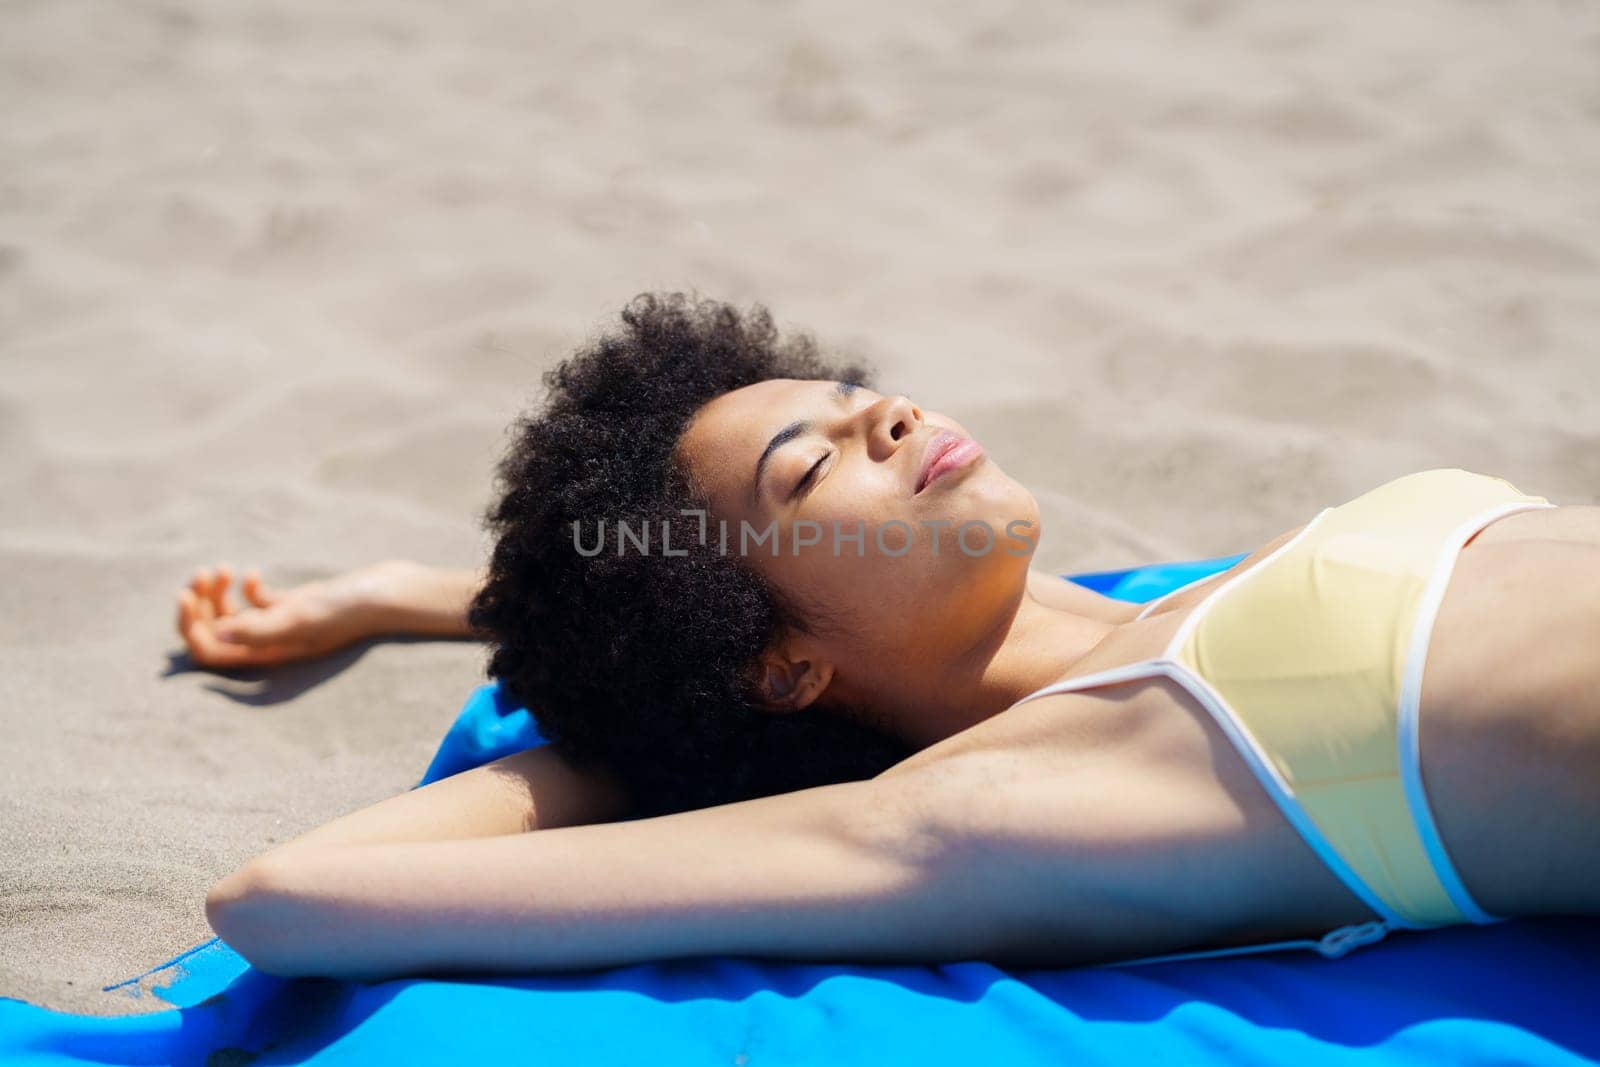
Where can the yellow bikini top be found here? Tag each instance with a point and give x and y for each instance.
(1311, 661)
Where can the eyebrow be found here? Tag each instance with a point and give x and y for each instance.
(789, 433)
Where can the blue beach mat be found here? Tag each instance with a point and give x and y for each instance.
(1519, 992)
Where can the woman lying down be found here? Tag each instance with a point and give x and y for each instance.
(806, 699)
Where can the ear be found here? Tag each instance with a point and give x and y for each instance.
(788, 683)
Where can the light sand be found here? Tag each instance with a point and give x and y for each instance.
(275, 278)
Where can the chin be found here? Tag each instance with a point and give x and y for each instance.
(997, 499)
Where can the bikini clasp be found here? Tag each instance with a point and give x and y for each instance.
(1346, 938)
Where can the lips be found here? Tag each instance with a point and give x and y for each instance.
(942, 442)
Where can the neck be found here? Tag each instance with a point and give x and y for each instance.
(1030, 646)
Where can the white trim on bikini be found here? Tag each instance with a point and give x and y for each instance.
(1169, 654)
(1265, 770)
(1342, 940)
(1158, 601)
(1250, 748)
(1410, 705)
(1333, 944)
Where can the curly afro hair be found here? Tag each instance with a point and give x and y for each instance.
(640, 662)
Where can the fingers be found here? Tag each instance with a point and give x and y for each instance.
(256, 591)
(215, 600)
(200, 586)
(221, 598)
(208, 649)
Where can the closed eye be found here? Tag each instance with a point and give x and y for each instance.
(841, 390)
(810, 475)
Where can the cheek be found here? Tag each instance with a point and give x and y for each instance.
(863, 582)
(870, 495)
(873, 587)
(856, 587)
(902, 549)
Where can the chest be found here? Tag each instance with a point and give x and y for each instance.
(1509, 736)
(1512, 653)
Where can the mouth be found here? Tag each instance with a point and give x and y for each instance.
(946, 452)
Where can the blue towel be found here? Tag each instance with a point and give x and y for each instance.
(1518, 992)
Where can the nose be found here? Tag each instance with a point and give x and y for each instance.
(895, 420)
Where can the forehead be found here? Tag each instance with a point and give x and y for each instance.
(722, 442)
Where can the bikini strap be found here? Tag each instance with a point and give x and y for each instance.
(1148, 668)
(1330, 946)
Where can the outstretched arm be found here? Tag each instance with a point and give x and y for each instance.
(280, 625)
(854, 872)
(420, 599)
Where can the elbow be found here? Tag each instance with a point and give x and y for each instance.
(228, 897)
(246, 910)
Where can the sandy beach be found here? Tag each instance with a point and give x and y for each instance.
(274, 279)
